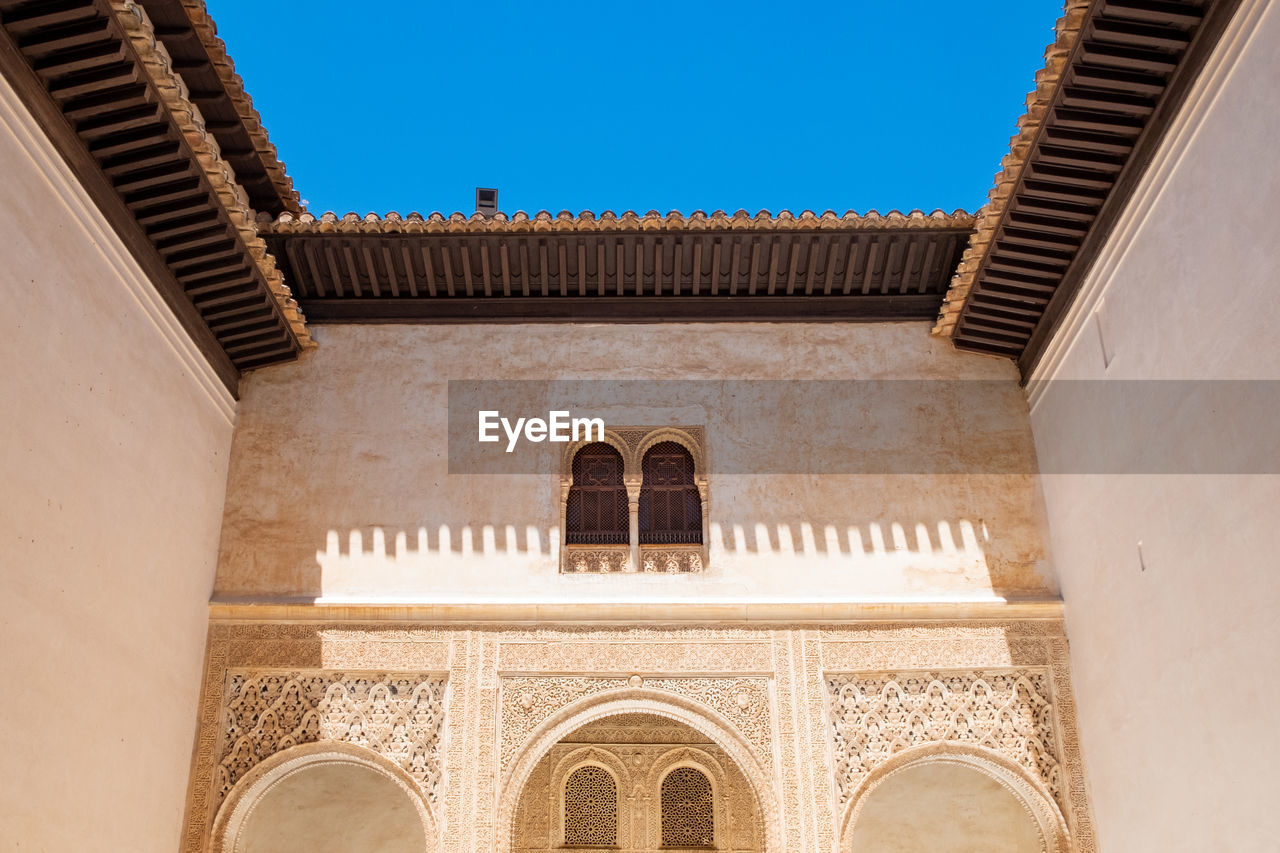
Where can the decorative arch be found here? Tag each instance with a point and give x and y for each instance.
(680, 437)
(611, 438)
(695, 715)
(241, 801)
(1029, 791)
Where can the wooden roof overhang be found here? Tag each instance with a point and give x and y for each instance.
(200, 57)
(98, 80)
(1114, 79)
(624, 268)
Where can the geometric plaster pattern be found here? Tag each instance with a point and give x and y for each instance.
(783, 740)
(399, 717)
(876, 716)
(591, 807)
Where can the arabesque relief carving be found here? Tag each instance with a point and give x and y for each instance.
(1002, 687)
(876, 716)
(399, 717)
(529, 700)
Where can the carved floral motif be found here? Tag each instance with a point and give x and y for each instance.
(876, 716)
(398, 717)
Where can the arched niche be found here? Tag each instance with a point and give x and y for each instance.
(324, 798)
(952, 798)
(651, 703)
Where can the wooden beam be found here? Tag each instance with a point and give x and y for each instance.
(624, 309)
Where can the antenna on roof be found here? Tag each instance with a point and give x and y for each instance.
(486, 201)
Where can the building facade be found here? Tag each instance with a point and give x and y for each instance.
(809, 589)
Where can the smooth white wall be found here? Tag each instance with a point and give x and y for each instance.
(114, 457)
(1176, 656)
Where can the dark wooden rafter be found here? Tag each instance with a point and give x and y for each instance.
(78, 72)
(208, 91)
(625, 276)
(1124, 79)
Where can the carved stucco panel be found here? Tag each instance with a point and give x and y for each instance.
(398, 716)
(874, 716)
(790, 665)
(527, 701)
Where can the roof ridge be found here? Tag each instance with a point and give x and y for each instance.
(608, 220)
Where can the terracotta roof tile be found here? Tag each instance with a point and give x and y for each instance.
(586, 221)
(137, 27)
(207, 32)
(988, 217)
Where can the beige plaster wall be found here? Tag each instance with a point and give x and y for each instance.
(339, 486)
(333, 808)
(116, 438)
(944, 809)
(1170, 581)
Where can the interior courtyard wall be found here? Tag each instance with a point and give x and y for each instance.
(1170, 578)
(117, 436)
(810, 715)
(340, 485)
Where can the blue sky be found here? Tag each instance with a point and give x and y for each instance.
(653, 105)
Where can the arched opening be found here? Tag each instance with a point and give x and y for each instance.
(649, 758)
(596, 510)
(670, 510)
(952, 798)
(324, 798)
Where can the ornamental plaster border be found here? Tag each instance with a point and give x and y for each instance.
(248, 793)
(1030, 793)
(695, 715)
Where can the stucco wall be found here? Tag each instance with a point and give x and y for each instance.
(340, 485)
(116, 439)
(1170, 580)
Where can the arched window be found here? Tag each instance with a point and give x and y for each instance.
(670, 506)
(596, 513)
(688, 816)
(590, 808)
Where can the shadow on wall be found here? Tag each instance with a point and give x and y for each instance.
(875, 558)
(957, 537)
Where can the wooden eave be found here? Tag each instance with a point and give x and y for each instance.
(1113, 81)
(94, 76)
(619, 269)
(190, 37)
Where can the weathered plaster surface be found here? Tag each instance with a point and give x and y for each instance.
(1171, 579)
(339, 485)
(333, 808)
(116, 439)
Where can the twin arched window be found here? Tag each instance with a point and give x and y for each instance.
(591, 809)
(670, 506)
